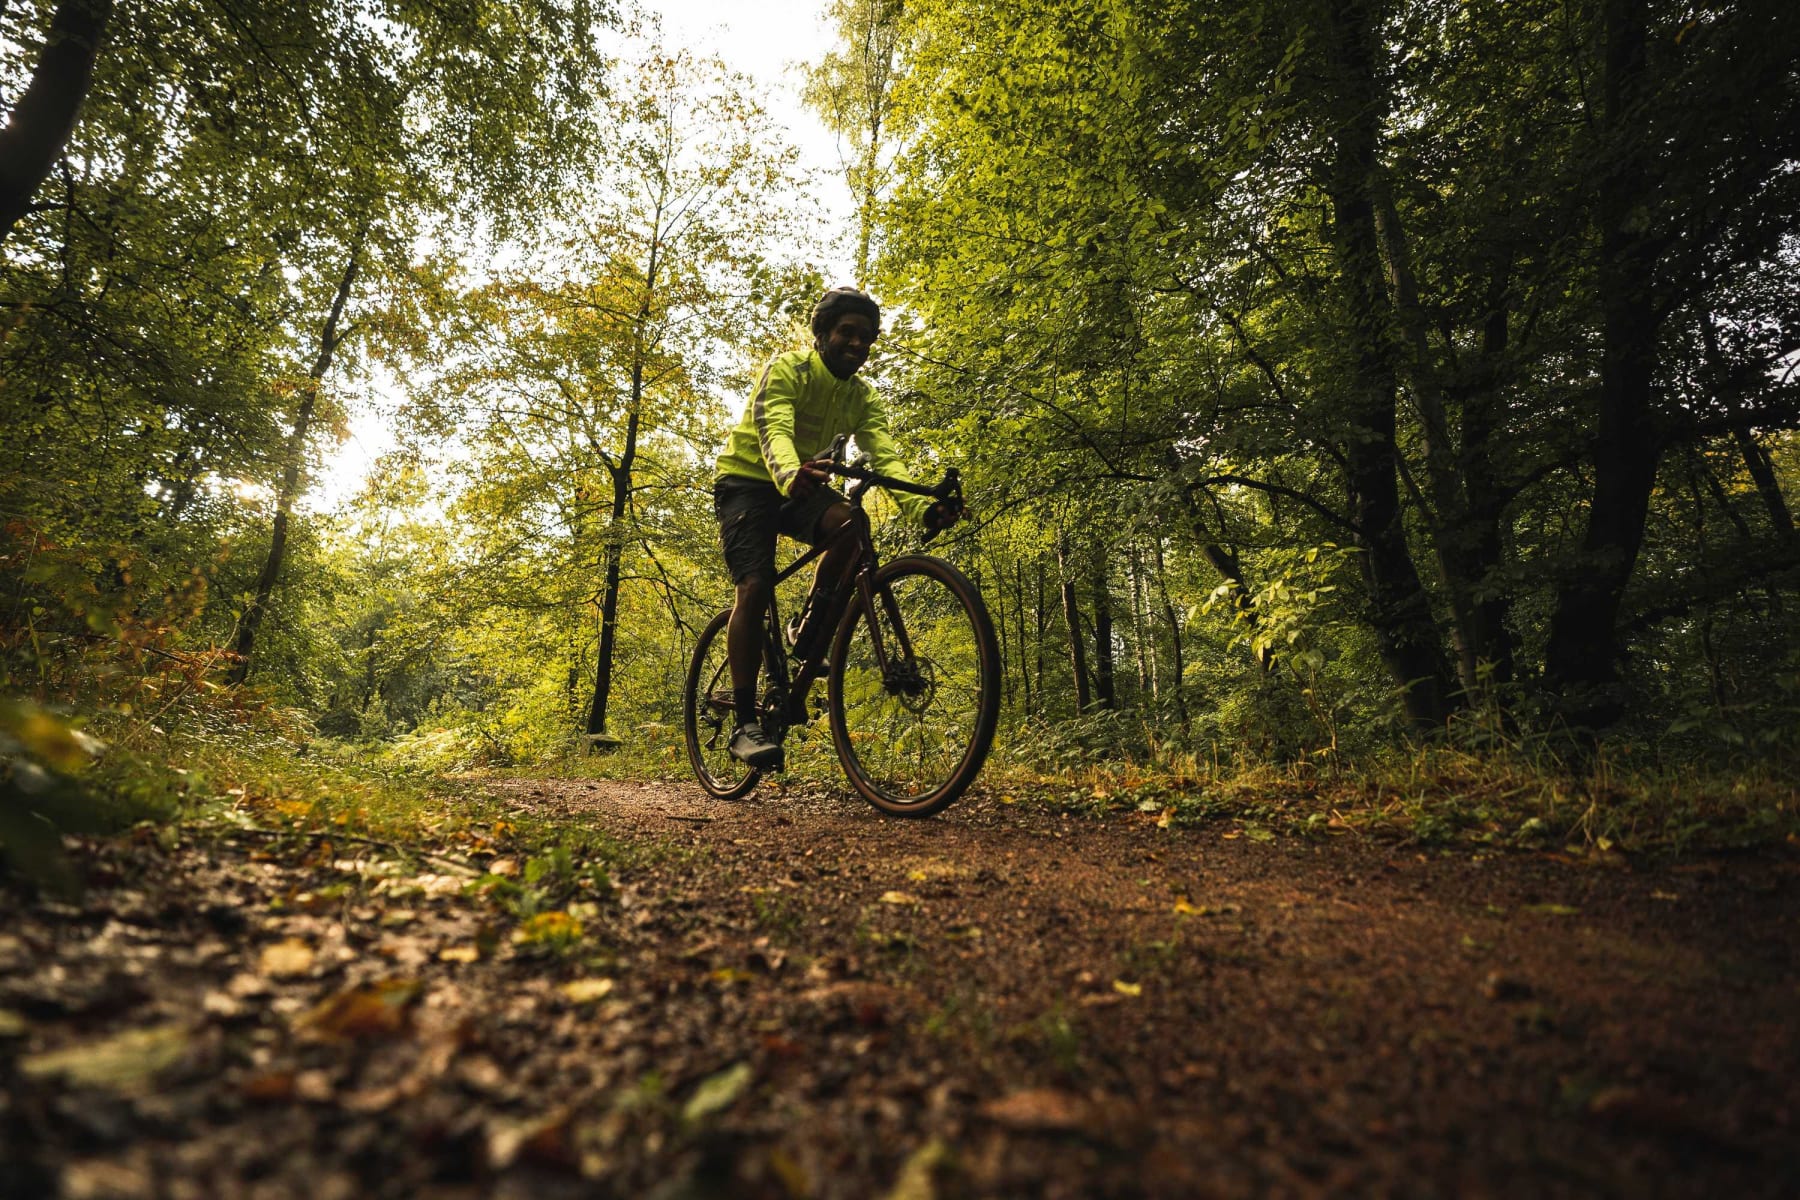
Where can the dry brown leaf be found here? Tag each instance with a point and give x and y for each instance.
(286, 959)
(382, 1009)
(1039, 1109)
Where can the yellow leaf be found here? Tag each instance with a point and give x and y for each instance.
(1168, 815)
(549, 928)
(120, 1062)
(460, 954)
(718, 1092)
(898, 898)
(1186, 909)
(586, 991)
(1128, 989)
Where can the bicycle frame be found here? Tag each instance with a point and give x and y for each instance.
(791, 689)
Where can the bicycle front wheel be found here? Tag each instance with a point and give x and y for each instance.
(708, 718)
(915, 688)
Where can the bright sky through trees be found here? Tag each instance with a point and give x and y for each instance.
(768, 41)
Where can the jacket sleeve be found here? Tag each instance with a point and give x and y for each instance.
(872, 439)
(772, 410)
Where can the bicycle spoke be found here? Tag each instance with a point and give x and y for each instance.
(707, 712)
(912, 730)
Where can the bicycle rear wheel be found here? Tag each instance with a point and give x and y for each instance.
(708, 718)
(915, 688)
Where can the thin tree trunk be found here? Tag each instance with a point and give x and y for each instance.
(37, 129)
(621, 474)
(1072, 621)
(295, 453)
(1043, 626)
(1756, 459)
(1105, 666)
(1146, 674)
(1019, 612)
(1169, 615)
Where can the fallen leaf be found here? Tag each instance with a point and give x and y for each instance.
(549, 929)
(792, 1175)
(1127, 989)
(1166, 818)
(381, 1009)
(915, 1181)
(1552, 910)
(1185, 908)
(286, 959)
(460, 954)
(12, 1025)
(121, 1062)
(1041, 1109)
(543, 1140)
(717, 1092)
(508, 867)
(587, 991)
(898, 898)
(272, 1087)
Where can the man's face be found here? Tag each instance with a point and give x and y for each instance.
(845, 346)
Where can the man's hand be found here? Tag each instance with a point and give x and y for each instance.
(943, 515)
(810, 476)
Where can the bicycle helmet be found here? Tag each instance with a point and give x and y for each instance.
(839, 301)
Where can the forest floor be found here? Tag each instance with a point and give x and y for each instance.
(794, 996)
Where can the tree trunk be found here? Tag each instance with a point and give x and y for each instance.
(1144, 652)
(1043, 626)
(615, 554)
(1461, 543)
(251, 622)
(39, 125)
(1727, 386)
(1174, 620)
(1399, 612)
(621, 474)
(1581, 658)
(1105, 667)
(1072, 620)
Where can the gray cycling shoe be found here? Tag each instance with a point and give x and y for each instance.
(752, 747)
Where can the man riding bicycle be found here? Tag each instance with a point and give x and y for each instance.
(769, 481)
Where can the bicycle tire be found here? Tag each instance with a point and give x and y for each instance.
(708, 720)
(912, 742)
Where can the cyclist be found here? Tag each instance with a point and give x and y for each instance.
(769, 480)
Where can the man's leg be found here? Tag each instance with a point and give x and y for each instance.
(748, 515)
(832, 575)
(743, 643)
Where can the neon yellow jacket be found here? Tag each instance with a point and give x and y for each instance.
(796, 409)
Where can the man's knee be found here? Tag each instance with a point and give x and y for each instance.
(753, 589)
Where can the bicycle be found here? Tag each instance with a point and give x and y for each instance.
(912, 673)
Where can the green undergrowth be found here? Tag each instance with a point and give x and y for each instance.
(256, 771)
(1438, 797)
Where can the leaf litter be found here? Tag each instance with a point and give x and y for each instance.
(733, 1014)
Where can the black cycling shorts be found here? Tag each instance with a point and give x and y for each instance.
(751, 512)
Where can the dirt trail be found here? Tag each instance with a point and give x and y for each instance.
(808, 999)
